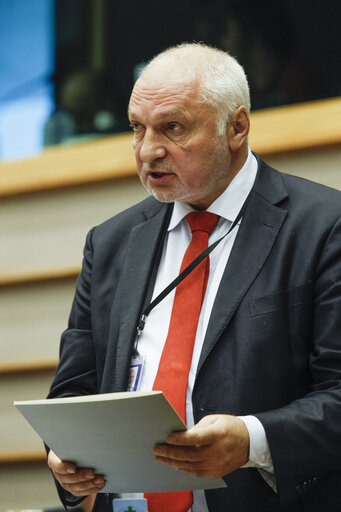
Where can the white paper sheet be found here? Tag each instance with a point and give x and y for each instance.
(114, 434)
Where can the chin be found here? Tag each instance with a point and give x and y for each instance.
(163, 197)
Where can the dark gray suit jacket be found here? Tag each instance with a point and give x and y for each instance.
(273, 343)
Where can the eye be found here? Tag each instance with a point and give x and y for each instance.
(134, 126)
(174, 127)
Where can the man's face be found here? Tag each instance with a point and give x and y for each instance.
(179, 155)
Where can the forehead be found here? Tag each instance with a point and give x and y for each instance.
(160, 94)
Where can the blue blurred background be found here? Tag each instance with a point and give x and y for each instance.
(67, 66)
(27, 61)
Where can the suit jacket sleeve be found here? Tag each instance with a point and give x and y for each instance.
(304, 436)
(76, 373)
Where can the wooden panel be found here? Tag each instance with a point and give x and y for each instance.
(47, 246)
(273, 130)
(27, 487)
(19, 458)
(62, 166)
(32, 318)
(44, 232)
(17, 437)
(294, 127)
(28, 367)
(37, 276)
(320, 165)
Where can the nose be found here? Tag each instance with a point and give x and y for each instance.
(151, 147)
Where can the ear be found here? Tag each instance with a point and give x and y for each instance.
(238, 128)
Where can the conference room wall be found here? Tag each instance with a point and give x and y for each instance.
(23, 485)
(16, 434)
(31, 319)
(322, 165)
(46, 231)
(27, 486)
(41, 233)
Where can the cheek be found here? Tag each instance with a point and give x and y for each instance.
(137, 158)
(186, 160)
(195, 166)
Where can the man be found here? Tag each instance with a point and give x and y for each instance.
(263, 397)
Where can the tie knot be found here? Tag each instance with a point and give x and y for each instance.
(202, 221)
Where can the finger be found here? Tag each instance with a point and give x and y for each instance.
(200, 468)
(193, 437)
(80, 476)
(79, 482)
(203, 433)
(207, 431)
(180, 453)
(84, 488)
(59, 466)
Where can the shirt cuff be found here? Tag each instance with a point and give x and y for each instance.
(259, 454)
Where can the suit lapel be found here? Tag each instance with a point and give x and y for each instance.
(143, 243)
(256, 236)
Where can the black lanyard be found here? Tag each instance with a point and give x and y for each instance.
(181, 277)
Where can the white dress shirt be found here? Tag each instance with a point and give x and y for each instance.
(153, 337)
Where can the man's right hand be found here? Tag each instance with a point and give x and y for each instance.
(78, 482)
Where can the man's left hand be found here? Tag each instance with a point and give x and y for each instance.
(214, 447)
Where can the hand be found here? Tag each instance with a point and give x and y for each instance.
(79, 482)
(214, 447)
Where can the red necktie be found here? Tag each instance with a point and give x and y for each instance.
(176, 358)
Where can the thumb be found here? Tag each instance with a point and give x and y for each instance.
(206, 421)
(200, 434)
(59, 466)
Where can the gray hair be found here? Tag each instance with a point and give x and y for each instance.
(222, 80)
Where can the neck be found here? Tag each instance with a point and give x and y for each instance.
(238, 159)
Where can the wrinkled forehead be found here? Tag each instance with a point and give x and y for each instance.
(162, 86)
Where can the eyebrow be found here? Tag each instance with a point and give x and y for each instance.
(163, 115)
(170, 113)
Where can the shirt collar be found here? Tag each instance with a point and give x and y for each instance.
(229, 203)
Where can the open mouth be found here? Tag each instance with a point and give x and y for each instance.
(158, 175)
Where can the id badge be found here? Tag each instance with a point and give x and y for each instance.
(130, 505)
(135, 372)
